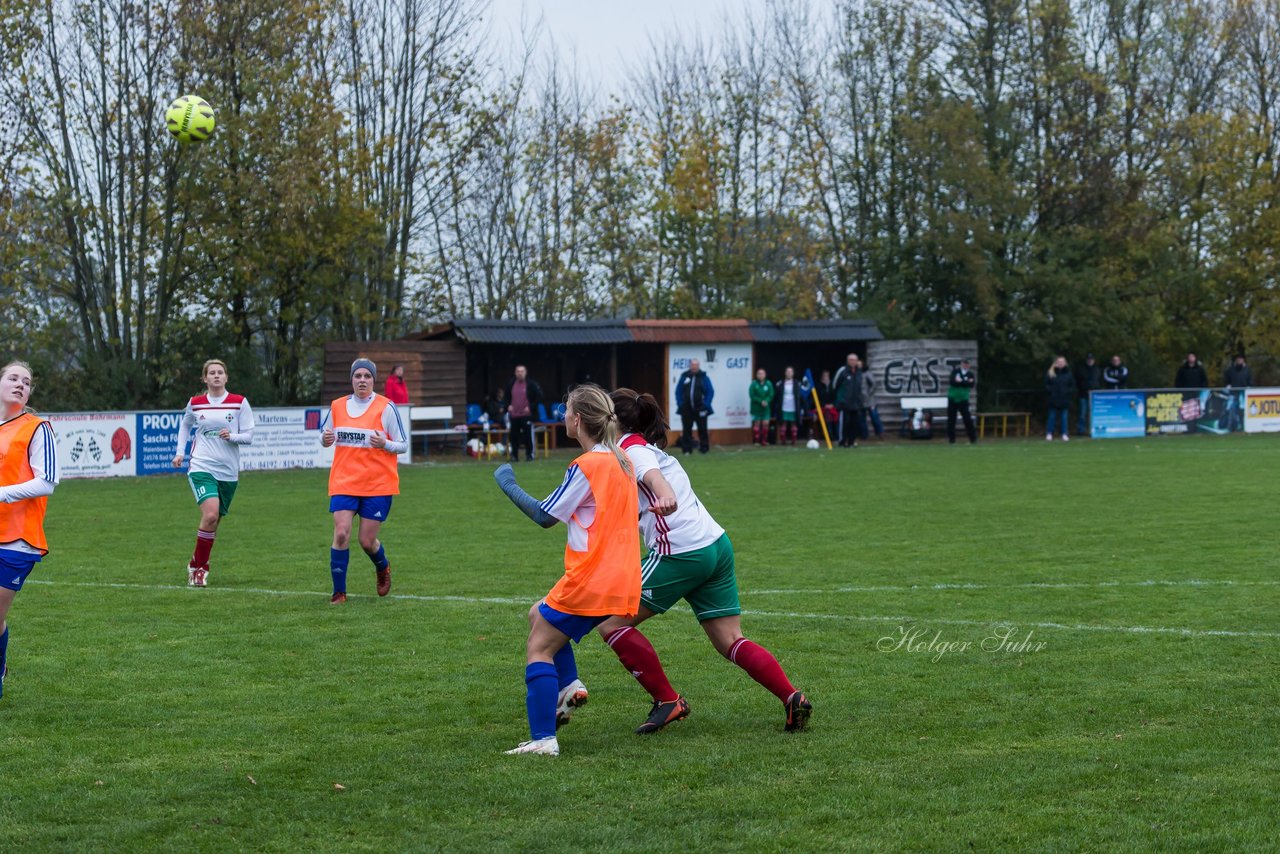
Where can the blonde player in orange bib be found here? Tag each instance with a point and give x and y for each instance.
(367, 436)
(28, 474)
(599, 505)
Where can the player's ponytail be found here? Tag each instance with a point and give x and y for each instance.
(640, 413)
(600, 421)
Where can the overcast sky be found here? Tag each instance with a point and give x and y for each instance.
(607, 36)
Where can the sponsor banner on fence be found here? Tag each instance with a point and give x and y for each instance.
(1150, 412)
(94, 444)
(1262, 410)
(116, 444)
(1117, 414)
(728, 366)
(1201, 411)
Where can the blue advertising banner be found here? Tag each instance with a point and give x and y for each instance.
(157, 439)
(1118, 414)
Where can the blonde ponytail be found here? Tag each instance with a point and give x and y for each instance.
(595, 409)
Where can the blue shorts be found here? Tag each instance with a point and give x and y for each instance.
(575, 626)
(375, 507)
(15, 567)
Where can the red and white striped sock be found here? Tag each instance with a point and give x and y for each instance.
(204, 545)
(762, 667)
(639, 657)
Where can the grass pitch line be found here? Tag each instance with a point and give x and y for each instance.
(789, 615)
(1031, 585)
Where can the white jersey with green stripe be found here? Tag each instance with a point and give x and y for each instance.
(209, 416)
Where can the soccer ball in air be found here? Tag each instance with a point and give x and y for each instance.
(190, 119)
(812, 444)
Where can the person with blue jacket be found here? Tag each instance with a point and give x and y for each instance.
(693, 403)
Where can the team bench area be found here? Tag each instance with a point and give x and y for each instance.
(434, 422)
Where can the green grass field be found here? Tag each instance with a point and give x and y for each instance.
(141, 715)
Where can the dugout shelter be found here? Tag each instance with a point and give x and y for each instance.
(463, 361)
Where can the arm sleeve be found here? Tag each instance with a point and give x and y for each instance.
(397, 442)
(709, 394)
(245, 435)
(184, 430)
(526, 503)
(42, 454)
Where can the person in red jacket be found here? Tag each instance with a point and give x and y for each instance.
(395, 389)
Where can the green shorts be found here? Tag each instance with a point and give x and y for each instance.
(704, 578)
(789, 417)
(205, 486)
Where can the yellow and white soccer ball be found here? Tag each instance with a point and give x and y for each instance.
(190, 119)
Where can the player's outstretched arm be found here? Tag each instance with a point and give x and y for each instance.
(528, 505)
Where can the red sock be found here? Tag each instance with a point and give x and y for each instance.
(762, 667)
(204, 545)
(637, 655)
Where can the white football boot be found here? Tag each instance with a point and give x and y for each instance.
(546, 746)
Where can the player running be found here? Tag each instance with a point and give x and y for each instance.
(598, 504)
(223, 422)
(369, 437)
(690, 557)
(28, 474)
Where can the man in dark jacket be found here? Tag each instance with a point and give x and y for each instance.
(1191, 374)
(1058, 385)
(959, 388)
(1088, 378)
(847, 388)
(693, 403)
(523, 397)
(1238, 374)
(1115, 375)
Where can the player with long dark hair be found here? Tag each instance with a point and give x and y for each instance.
(28, 474)
(597, 502)
(690, 557)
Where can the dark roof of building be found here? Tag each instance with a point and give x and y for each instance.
(815, 330)
(581, 332)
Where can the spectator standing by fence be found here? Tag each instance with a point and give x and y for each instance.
(1058, 384)
(788, 402)
(1191, 374)
(693, 404)
(1238, 374)
(395, 390)
(846, 400)
(1115, 375)
(761, 393)
(523, 397)
(959, 388)
(1088, 378)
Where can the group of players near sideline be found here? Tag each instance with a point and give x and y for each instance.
(623, 475)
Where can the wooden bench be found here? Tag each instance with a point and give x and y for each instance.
(1024, 417)
(428, 421)
(911, 404)
(488, 435)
